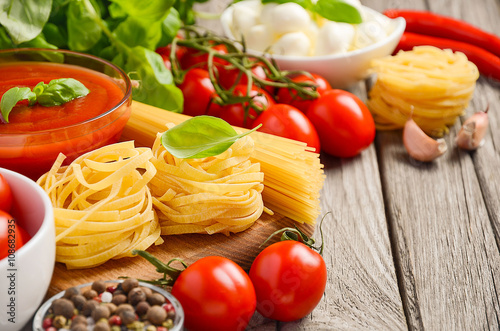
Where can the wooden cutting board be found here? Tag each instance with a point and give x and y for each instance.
(242, 248)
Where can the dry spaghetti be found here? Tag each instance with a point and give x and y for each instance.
(218, 194)
(103, 208)
(430, 85)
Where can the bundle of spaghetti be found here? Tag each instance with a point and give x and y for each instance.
(293, 175)
(430, 85)
(218, 194)
(103, 208)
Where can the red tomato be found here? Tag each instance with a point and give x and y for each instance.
(289, 122)
(228, 78)
(165, 54)
(344, 123)
(5, 195)
(289, 96)
(234, 114)
(216, 294)
(198, 91)
(289, 280)
(198, 59)
(12, 236)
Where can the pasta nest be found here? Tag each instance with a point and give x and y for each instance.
(429, 85)
(103, 208)
(218, 194)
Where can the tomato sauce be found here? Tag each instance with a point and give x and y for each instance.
(35, 135)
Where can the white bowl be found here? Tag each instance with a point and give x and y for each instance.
(341, 70)
(33, 264)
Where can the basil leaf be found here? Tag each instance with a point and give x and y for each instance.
(338, 11)
(135, 32)
(59, 91)
(24, 19)
(11, 97)
(199, 137)
(150, 11)
(83, 31)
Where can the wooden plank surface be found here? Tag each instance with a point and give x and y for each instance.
(441, 214)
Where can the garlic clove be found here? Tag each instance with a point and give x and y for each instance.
(419, 145)
(472, 132)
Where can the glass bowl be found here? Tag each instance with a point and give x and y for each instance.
(179, 312)
(32, 148)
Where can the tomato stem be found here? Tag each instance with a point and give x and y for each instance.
(170, 274)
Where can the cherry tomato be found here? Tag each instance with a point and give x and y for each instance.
(194, 58)
(234, 114)
(216, 294)
(344, 123)
(289, 96)
(11, 234)
(289, 280)
(289, 122)
(5, 195)
(165, 54)
(230, 77)
(198, 92)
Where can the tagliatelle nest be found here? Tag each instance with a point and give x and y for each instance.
(215, 194)
(102, 206)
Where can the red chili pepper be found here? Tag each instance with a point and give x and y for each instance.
(487, 63)
(427, 23)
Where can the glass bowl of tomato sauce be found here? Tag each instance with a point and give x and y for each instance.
(35, 134)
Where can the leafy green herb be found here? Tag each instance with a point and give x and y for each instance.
(333, 10)
(24, 19)
(199, 137)
(55, 93)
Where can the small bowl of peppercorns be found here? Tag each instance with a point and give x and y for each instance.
(115, 305)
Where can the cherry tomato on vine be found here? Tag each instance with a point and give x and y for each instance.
(165, 54)
(5, 195)
(216, 294)
(345, 125)
(290, 97)
(235, 114)
(194, 58)
(289, 280)
(230, 77)
(289, 122)
(11, 234)
(198, 92)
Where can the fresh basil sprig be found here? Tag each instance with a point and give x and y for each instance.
(55, 93)
(333, 10)
(200, 136)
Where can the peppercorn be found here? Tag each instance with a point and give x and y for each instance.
(142, 308)
(90, 294)
(102, 326)
(99, 286)
(156, 299)
(78, 301)
(63, 307)
(118, 299)
(156, 315)
(70, 292)
(100, 312)
(147, 290)
(127, 317)
(88, 307)
(150, 328)
(59, 321)
(78, 327)
(79, 319)
(129, 283)
(111, 306)
(124, 306)
(136, 295)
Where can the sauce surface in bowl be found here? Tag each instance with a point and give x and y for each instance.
(104, 95)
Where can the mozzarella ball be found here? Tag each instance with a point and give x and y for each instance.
(293, 43)
(369, 33)
(289, 17)
(244, 17)
(258, 38)
(334, 38)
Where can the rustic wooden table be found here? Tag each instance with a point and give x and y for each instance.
(411, 245)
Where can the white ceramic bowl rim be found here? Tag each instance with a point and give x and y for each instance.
(48, 211)
(399, 25)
